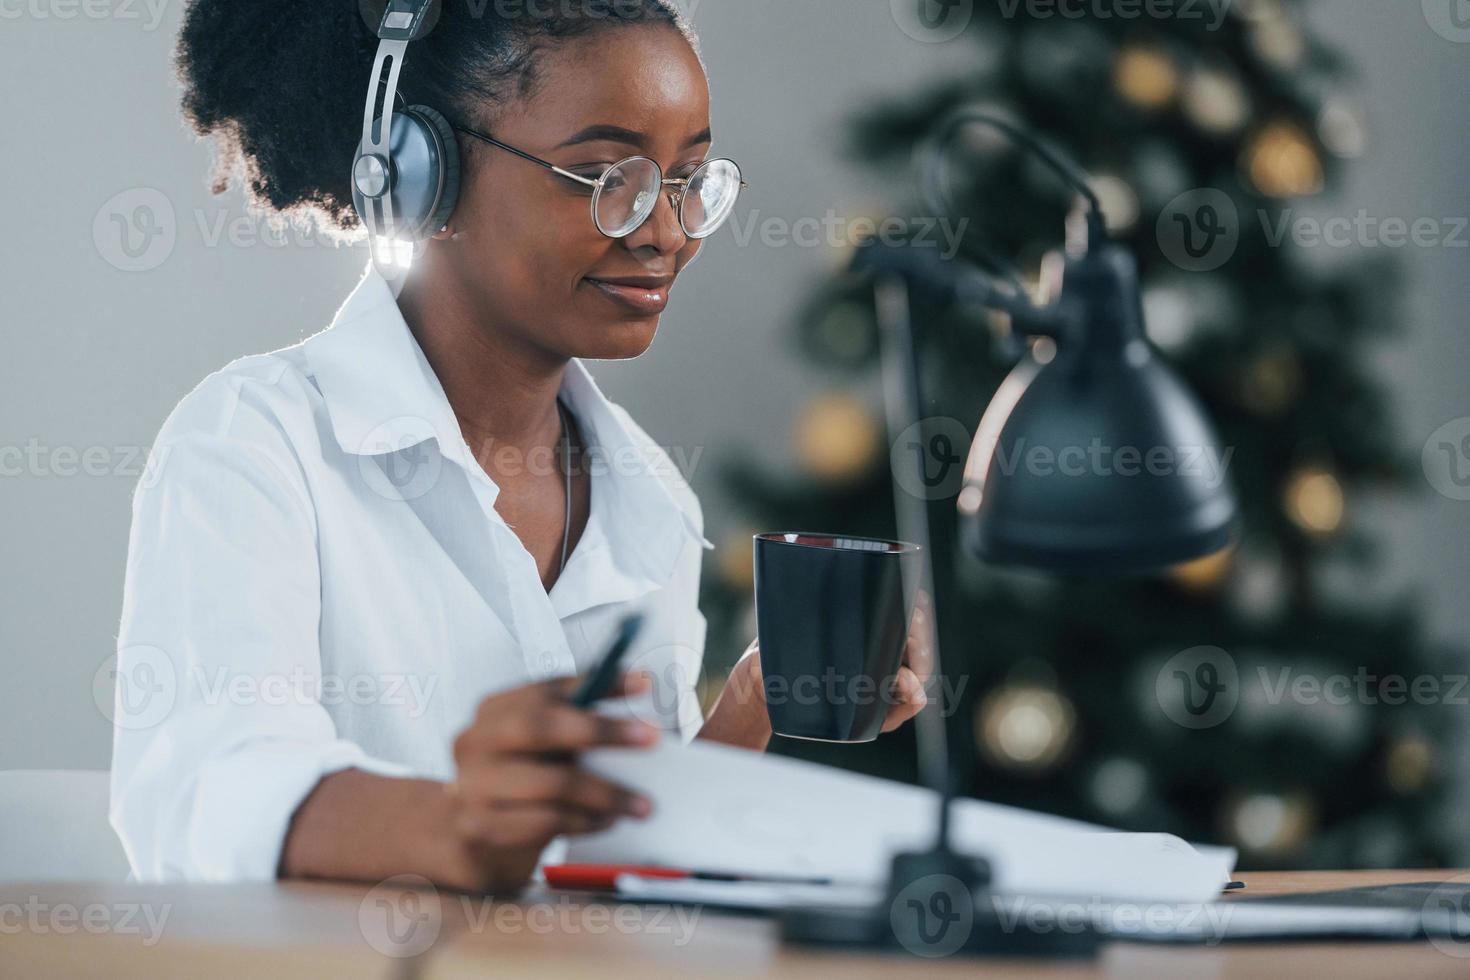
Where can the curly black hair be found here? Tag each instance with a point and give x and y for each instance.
(280, 86)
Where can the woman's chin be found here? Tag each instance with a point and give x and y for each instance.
(618, 340)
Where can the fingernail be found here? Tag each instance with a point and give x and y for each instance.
(639, 806)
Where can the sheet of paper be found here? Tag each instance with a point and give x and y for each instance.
(749, 895)
(725, 810)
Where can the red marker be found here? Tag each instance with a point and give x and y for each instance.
(604, 877)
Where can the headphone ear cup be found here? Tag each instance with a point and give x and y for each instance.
(448, 166)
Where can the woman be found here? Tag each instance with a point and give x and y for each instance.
(373, 563)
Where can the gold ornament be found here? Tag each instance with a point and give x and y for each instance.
(1215, 101)
(1025, 727)
(1146, 77)
(1119, 202)
(1269, 824)
(1271, 384)
(1258, 589)
(1342, 129)
(1281, 161)
(1410, 763)
(1204, 575)
(836, 437)
(1278, 41)
(1315, 501)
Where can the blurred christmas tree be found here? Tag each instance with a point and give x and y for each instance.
(1200, 136)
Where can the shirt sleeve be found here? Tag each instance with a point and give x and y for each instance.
(219, 733)
(694, 629)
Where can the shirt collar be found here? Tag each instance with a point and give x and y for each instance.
(382, 396)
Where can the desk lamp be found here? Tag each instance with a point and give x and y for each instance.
(1104, 390)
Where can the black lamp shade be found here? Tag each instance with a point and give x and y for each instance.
(1100, 461)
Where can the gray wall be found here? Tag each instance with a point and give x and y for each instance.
(94, 356)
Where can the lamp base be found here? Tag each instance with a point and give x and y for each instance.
(939, 904)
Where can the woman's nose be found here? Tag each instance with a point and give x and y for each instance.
(663, 230)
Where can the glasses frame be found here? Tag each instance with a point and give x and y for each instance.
(677, 198)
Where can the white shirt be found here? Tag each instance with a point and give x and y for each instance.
(317, 580)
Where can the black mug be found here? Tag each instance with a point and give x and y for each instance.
(832, 620)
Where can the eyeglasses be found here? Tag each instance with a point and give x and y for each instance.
(625, 196)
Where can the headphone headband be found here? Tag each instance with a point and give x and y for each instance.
(373, 171)
(402, 19)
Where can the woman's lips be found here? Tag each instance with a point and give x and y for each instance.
(648, 296)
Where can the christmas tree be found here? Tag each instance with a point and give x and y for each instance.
(1201, 134)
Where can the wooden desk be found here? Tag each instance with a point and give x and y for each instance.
(349, 931)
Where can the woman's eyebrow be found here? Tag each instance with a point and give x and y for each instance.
(628, 137)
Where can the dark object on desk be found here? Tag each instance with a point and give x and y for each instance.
(832, 620)
(599, 683)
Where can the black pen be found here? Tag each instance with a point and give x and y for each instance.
(600, 682)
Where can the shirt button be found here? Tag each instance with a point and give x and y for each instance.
(546, 665)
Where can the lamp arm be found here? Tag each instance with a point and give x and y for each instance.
(1027, 319)
(956, 280)
(931, 164)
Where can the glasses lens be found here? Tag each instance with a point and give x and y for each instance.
(713, 191)
(628, 196)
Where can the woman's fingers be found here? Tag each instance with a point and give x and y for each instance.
(527, 825)
(552, 727)
(918, 654)
(520, 782)
(629, 685)
(908, 692)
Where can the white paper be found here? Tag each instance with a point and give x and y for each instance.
(730, 811)
(749, 895)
